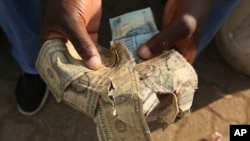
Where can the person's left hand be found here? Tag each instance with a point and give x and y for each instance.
(183, 24)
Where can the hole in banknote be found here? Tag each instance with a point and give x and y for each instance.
(111, 98)
(111, 86)
(165, 100)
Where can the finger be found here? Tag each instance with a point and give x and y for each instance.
(188, 49)
(53, 35)
(84, 45)
(165, 39)
(94, 23)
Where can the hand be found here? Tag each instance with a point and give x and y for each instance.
(77, 21)
(183, 24)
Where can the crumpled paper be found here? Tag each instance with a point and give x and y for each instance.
(117, 95)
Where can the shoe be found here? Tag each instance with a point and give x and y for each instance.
(31, 93)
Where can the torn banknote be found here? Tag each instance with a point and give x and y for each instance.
(125, 90)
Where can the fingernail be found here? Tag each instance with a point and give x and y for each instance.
(94, 63)
(144, 52)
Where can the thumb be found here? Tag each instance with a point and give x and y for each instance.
(164, 40)
(84, 46)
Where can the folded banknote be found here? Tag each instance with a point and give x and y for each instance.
(125, 90)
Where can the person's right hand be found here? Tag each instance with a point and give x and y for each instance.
(77, 21)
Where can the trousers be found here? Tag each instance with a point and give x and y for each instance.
(20, 21)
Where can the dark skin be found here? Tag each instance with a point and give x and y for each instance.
(183, 24)
(79, 20)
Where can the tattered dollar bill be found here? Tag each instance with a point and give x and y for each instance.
(109, 95)
(133, 29)
(112, 96)
(156, 79)
(173, 79)
(122, 93)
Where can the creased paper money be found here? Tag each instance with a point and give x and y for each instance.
(109, 95)
(122, 93)
(180, 86)
(133, 23)
(133, 29)
(171, 76)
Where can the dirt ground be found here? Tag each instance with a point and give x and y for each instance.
(222, 98)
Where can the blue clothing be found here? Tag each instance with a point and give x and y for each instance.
(20, 20)
(220, 11)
